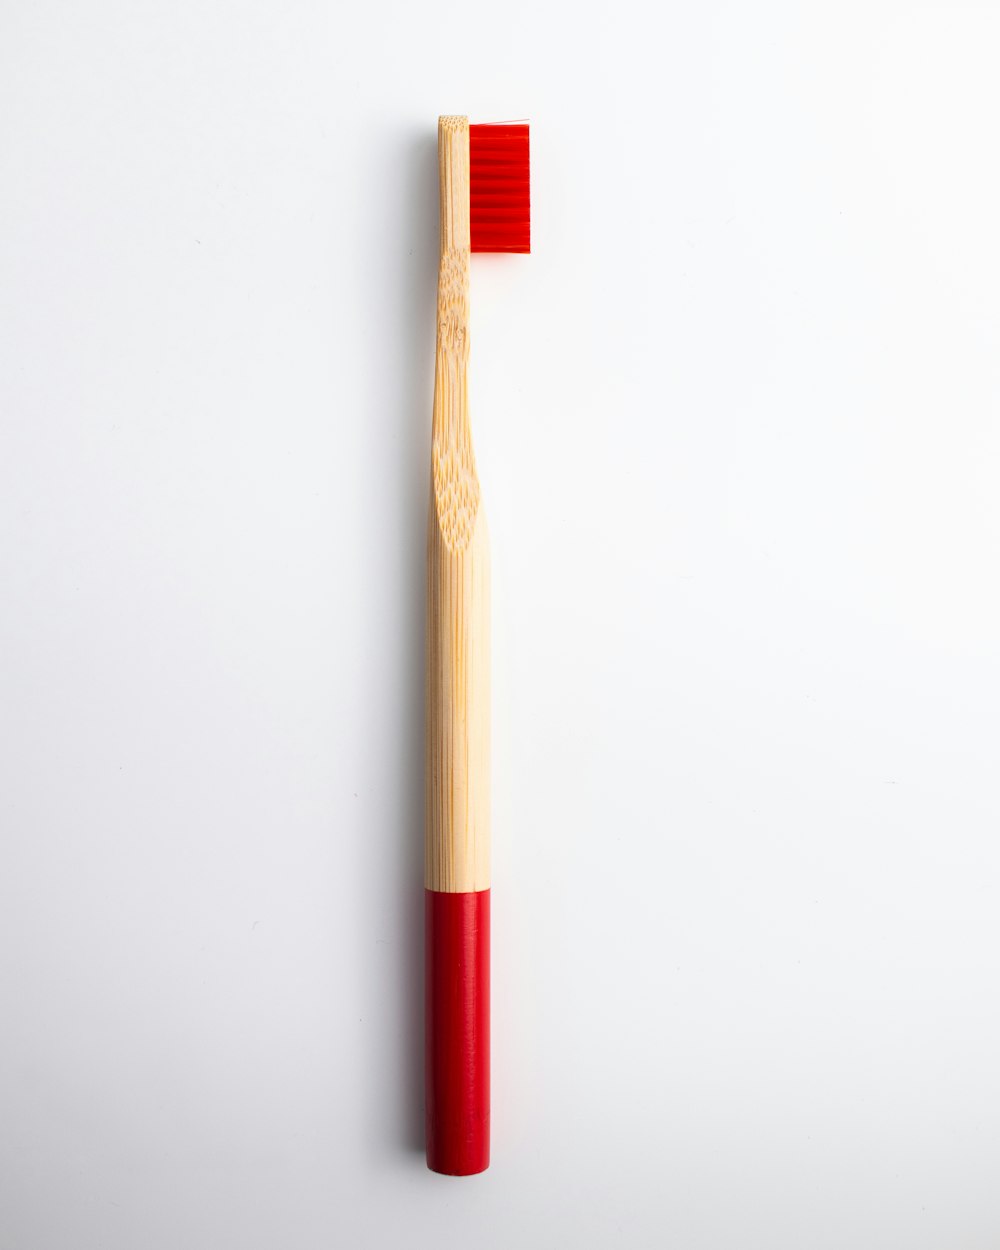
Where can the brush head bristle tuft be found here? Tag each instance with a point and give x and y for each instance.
(499, 188)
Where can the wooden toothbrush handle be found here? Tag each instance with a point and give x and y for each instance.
(457, 868)
(458, 569)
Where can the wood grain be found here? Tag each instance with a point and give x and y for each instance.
(458, 575)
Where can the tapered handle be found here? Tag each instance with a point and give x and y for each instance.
(458, 716)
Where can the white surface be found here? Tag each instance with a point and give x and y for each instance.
(746, 864)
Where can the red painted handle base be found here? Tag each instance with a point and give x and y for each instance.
(458, 1031)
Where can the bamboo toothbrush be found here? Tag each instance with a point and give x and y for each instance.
(484, 208)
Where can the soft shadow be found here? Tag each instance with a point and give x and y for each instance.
(417, 301)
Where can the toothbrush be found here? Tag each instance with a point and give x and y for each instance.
(484, 178)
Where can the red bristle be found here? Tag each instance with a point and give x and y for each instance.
(500, 189)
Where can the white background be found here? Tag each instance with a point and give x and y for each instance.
(737, 425)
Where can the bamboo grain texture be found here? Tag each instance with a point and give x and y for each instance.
(458, 593)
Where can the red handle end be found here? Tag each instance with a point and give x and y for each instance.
(458, 1031)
